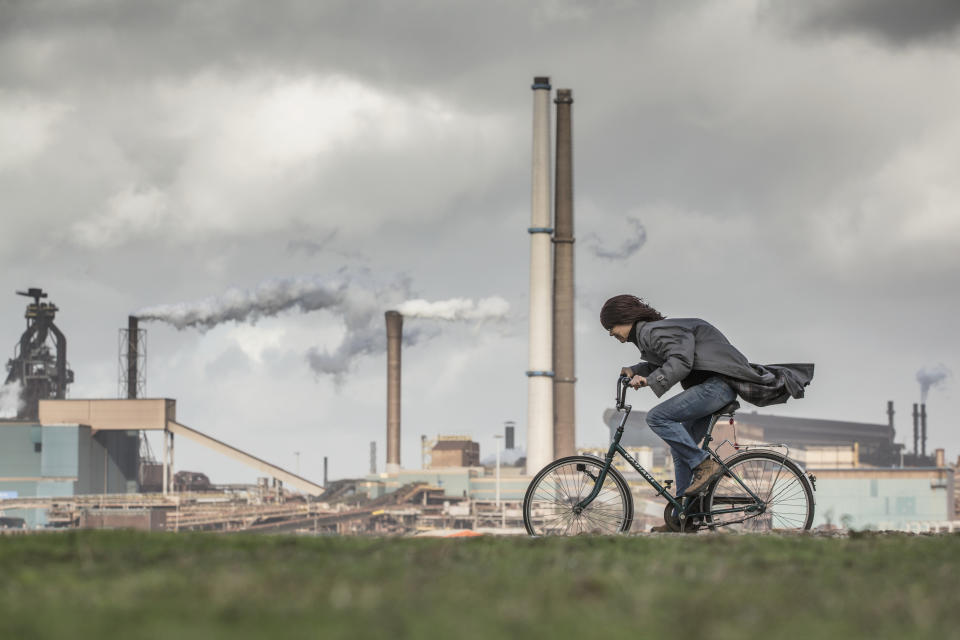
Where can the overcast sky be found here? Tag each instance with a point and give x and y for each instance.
(792, 165)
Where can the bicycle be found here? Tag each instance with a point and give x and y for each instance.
(761, 489)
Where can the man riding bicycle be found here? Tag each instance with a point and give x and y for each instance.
(711, 371)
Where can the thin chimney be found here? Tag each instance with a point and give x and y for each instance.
(564, 398)
(324, 471)
(133, 352)
(916, 429)
(394, 340)
(923, 430)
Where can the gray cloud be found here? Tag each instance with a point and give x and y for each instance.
(890, 21)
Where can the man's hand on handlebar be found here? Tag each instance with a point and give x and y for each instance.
(637, 381)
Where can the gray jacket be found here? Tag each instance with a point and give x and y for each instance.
(674, 347)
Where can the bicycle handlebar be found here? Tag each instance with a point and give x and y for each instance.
(622, 386)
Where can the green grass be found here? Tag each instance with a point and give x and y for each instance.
(122, 584)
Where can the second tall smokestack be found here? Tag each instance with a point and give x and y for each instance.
(394, 341)
(564, 398)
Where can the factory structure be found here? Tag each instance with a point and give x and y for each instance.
(67, 462)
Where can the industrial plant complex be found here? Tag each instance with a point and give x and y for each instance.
(69, 462)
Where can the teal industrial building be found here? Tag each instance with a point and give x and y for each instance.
(52, 461)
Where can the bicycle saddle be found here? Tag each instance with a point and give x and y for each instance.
(729, 409)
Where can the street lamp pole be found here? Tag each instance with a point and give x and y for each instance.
(499, 439)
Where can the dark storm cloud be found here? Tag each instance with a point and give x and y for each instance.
(897, 22)
(431, 44)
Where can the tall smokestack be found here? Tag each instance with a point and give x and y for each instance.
(564, 391)
(394, 340)
(508, 435)
(373, 457)
(324, 471)
(133, 350)
(916, 429)
(890, 413)
(923, 429)
(539, 383)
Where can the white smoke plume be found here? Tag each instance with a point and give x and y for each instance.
(249, 305)
(10, 400)
(630, 246)
(457, 309)
(931, 377)
(355, 299)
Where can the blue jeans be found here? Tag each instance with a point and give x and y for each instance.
(682, 422)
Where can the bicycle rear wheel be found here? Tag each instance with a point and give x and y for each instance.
(784, 489)
(562, 484)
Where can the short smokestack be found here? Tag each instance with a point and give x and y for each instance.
(940, 458)
(394, 340)
(133, 354)
(916, 429)
(508, 435)
(923, 429)
(564, 389)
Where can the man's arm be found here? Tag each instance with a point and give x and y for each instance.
(675, 346)
(640, 369)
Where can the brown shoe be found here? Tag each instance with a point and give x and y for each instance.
(661, 528)
(703, 474)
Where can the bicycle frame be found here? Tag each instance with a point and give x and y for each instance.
(681, 507)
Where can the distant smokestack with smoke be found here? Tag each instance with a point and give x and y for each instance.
(916, 429)
(630, 246)
(930, 377)
(394, 338)
(923, 430)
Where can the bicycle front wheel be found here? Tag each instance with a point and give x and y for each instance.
(548, 506)
(784, 490)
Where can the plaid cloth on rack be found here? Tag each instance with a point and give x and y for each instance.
(788, 382)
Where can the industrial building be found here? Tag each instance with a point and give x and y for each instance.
(873, 442)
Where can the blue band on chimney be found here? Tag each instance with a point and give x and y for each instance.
(540, 86)
(535, 374)
(540, 230)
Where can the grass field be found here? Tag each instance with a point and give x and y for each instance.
(130, 585)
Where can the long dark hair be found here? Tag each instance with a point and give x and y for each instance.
(626, 309)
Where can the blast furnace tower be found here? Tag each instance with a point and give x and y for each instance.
(39, 362)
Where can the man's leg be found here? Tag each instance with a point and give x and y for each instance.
(693, 406)
(681, 473)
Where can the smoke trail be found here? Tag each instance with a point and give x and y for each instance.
(356, 300)
(10, 401)
(266, 300)
(629, 247)
(930, 377)
(457, 309)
